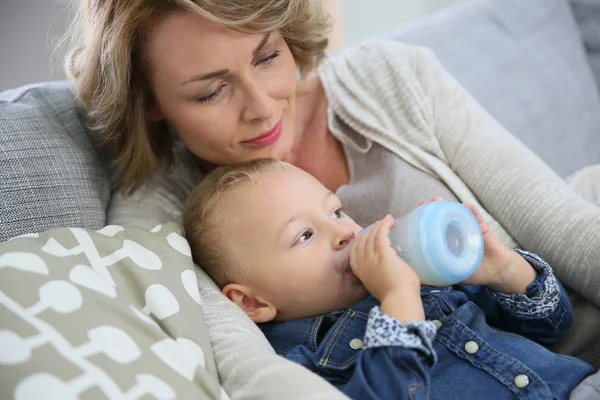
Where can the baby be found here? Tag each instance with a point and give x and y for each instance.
(348, 308)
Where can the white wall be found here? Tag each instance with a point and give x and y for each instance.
(363, 18)
(28, 29)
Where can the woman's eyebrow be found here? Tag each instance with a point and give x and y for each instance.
(204, 77)
(222, 72)
(262, 44)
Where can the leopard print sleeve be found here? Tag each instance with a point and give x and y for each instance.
(383, 330)
(543, 295)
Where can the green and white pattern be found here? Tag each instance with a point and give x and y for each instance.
(89, 315)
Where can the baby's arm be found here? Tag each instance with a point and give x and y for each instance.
(394, 363)
(396, 360)
(521, 294)
(398, 344)
(517, 290)
(543, 313)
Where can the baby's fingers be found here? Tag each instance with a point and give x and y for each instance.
(381, 238)
(360, 244)
(436, 198)
(484, 226)
(364, 244)
(475, 212)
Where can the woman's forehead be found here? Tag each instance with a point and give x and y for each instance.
(194, 32)
(184, 42)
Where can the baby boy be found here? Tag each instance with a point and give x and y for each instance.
(344, 305)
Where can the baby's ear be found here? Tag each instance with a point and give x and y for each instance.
(258, 309)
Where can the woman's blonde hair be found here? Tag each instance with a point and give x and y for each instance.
(107, 67)
(203, 218)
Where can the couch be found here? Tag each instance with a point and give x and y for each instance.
(94, 310)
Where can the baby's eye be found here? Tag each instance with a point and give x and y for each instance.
(338, 213)
(306, 235)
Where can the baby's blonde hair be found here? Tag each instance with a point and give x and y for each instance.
(203, 219)
(107, 64)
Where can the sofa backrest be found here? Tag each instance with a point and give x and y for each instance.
(587, 15)
(524, 61)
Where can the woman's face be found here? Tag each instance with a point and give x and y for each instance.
(230, 96)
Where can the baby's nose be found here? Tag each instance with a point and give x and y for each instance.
(345, 239)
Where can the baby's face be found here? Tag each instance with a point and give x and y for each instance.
(293, 240)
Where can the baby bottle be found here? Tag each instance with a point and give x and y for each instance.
(441, 241)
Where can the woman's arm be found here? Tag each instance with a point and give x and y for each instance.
(513, 184)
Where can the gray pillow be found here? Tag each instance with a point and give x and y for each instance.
(50, 172)
(587, 15)
(524, 61)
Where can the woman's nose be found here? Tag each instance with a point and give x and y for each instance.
(343, 238)
(259, 105)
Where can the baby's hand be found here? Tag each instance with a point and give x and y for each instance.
(498, 265)
(377, 264)
(385, 275)
(496, 256)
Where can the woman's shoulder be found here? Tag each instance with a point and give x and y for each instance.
(383, 55)
(380, 75)
(376, 65)
(388, 48)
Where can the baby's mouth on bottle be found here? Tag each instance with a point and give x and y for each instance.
(351, 273)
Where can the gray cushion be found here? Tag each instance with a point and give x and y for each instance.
(50, 173)
(525, 63)
(587, 15)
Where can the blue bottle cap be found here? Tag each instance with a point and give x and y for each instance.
(448, 242)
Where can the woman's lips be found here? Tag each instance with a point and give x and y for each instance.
(267, 138)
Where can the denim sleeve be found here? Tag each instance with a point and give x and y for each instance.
(396, 360)
(543, 314)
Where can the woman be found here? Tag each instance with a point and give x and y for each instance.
(383, 125)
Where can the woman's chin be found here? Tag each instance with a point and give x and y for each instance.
(281, 150)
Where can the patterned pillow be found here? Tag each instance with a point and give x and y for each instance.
(109, 314)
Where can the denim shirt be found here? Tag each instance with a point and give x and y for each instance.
(475, 344)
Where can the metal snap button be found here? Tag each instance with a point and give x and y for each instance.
(471, 347)
(521, 381)
(356, 344)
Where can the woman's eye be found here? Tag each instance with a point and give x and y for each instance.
(269, 59)
(338, 213)
(306, 235)
(210, 97)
